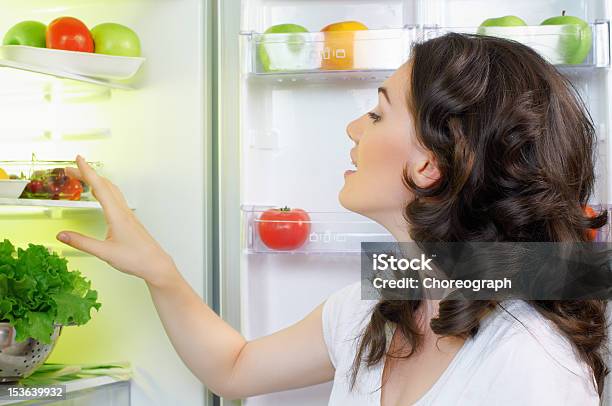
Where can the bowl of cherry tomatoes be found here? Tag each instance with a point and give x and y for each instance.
(45, 180)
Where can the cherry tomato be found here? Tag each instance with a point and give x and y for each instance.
(284, 229)
(591, 232)
(70, 34)
(35, 187)
(53, 189)
(72, 189)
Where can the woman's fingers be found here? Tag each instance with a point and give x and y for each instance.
(118, 195)
(101, 189)
(75, 173)
(84, 243)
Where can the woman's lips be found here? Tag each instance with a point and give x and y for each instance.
(348, 172)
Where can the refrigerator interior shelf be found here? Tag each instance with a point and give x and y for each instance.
(372, 54)
(52, 208)
(62, 74)
(99, 66)
(42, 135)
(329, 232)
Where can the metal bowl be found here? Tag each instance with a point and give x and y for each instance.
(19, 360)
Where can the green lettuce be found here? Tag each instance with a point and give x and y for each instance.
(38, 292)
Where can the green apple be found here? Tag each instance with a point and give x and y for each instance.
(29, 33)
(115, 39)
(574, 46)
(272, 53)
(505, 21)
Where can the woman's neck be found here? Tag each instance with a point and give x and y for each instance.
(397, 225)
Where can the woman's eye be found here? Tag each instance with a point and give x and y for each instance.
(375, 117)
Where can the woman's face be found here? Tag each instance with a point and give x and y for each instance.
(385, 145)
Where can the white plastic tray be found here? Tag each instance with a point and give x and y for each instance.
(99, 66)
(12, 188)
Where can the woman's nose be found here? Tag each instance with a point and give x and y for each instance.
(353, 129)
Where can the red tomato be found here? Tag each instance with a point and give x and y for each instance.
(69, 34)
(284, 229)
(35, 187)
(53, 189)
(592, 232)
(72, 189)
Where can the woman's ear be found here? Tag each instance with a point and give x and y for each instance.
(427, 172)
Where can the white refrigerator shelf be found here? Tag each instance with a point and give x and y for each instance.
(104, 70)
(334, 232)
(54, 209)
(329, 232)
(373, 54)
(68, 204)
(4, 63)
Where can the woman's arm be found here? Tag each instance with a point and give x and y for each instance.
(230, 366)
(216, 353)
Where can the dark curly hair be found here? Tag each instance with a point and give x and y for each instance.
(514, 145)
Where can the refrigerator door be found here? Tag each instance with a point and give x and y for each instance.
(284, 103)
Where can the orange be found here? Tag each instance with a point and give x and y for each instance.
(338, 52)
(591, 232)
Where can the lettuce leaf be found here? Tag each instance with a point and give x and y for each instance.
(37, 292)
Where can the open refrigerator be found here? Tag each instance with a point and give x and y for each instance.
(206, 137)
(152, 136)
(284, 114)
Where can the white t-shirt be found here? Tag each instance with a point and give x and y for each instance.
(515, 359)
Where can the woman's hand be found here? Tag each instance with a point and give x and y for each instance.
(128, 246)
(216, 353)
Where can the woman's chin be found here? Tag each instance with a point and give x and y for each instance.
(345, 199)
(349, 201)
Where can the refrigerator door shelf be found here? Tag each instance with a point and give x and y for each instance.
(556, 43)
(330, 233)
(374, 54)
(603, 234)
(287, 78)
(322, 52)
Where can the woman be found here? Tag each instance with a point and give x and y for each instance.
(473, 139)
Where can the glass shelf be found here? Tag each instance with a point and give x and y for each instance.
(330, 232)
(42, 135)
(66, 204)
(374, 54)
(53, 209)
